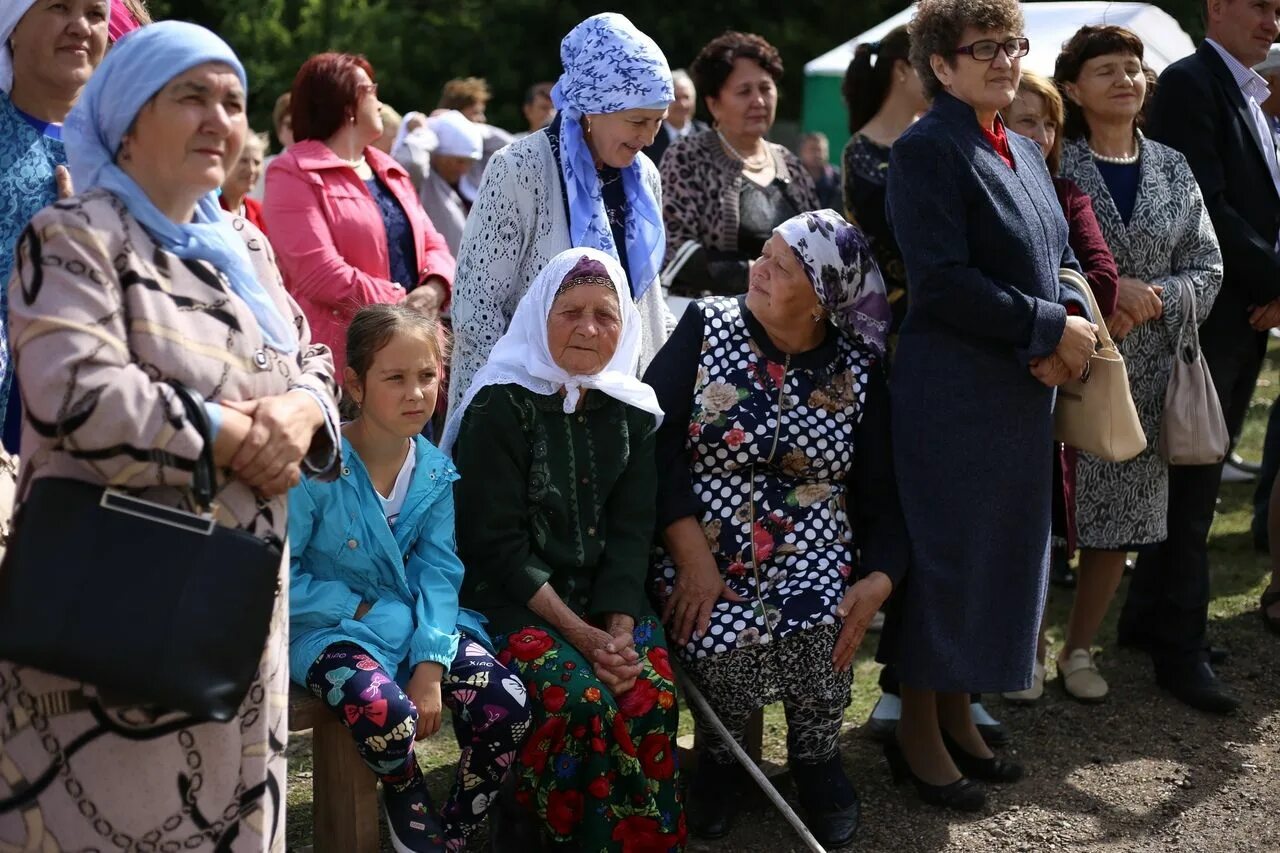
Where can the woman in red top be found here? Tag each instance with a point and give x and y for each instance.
(235, 191)
(1037, 113)
(345, 219)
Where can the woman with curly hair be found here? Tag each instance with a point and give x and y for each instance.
(989, 333)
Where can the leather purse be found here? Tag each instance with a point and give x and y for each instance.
(147, 603)
(1096, 413)
(1193, 430)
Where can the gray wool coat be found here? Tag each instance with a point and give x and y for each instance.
(972, 428)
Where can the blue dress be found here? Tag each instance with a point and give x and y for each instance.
(27, 160)
(972, 428)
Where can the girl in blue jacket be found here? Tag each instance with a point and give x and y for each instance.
(375, 627)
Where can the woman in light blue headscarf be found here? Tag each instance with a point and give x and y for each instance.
(580, 183)
(137, 282)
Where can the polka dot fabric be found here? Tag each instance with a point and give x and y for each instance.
(771, 448)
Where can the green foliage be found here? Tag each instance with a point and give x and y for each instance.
(416, 45)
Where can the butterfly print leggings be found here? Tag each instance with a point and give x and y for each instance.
(485, 699)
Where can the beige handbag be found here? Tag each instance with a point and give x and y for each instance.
(1193, 431)
(1096, 414)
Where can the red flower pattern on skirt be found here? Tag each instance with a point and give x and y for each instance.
(529, 644)
(564, 811)
(639, 700)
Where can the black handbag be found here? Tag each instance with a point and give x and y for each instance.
(147, 603)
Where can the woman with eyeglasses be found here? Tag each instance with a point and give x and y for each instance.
(344, 217)
(989, 334)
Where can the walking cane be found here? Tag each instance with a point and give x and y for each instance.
(745, 760)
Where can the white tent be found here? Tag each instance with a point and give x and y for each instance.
(1049, 25)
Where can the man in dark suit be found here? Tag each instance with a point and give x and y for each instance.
(1207, 107)
(680, 121)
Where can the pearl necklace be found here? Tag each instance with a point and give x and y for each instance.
(1127, 160)
(746, 163)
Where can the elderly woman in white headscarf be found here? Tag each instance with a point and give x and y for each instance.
(554, 446)
(447, 190)
(582, 182)
(777, 509)
(138, 281)
(38, 84)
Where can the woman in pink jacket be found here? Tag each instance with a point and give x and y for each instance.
(345, 220)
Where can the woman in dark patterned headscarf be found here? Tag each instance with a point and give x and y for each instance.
(776, 504)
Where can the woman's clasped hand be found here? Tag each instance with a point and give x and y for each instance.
(263, 441)
(1079, 342)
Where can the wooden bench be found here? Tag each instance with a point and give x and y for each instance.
(344, 792)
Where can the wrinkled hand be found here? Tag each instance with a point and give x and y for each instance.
(622, 628)
(1120, 324)
(1265, 316)
(614, 659)
(698, 587)
(424, 692)
(1140, 300)
(62, 177)
(269, 459)
(1050, 370)
(427, 297)
(1078, 343)
(857, 608)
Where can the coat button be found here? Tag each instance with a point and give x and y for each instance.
(582, 419)
(586, 480)
(260, 359)
(346, 472)
(352, 544)
(591, 531)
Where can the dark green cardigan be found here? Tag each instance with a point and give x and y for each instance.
(546, 496)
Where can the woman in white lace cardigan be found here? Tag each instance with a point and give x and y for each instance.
(582, 182)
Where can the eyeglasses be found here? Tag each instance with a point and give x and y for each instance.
(986, 50)
(369, 89)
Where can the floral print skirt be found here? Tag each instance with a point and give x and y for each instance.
(599, 770)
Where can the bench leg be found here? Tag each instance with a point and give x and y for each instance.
(344, 804)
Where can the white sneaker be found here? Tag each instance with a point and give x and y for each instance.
(1032, 693)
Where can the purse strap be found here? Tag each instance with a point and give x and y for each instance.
(1073, 279)
(1190, 325)
(205, 475)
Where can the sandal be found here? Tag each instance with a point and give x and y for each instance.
(1270, 596)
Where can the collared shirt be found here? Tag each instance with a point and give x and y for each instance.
(1255, 90)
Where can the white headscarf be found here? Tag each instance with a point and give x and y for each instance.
(457, 135)
(523, 356)
(403, 131)
(11, 12)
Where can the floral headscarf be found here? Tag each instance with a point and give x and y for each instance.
(839, 265)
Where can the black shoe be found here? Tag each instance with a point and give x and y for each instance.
(1193, 682)
(992, 769)
(511, 826)
(1060, 572)
(830, 803)
(714, 795)
(412, 819)
(962, 795)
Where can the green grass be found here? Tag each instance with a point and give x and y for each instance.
(1239, 575)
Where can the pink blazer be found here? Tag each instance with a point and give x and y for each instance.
(330, 242)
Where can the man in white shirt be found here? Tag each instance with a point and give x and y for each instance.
(680, 121)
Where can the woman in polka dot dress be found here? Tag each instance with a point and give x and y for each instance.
(779, 517)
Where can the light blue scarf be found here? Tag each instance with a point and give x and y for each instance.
(134, 70)
(610, 66)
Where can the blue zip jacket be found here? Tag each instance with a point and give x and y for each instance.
(343, 552)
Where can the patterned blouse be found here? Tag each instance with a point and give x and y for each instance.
(546, 496)
(28, 158)
(785, 462)
(866, 176)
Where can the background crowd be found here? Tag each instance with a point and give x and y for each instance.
(626, 395)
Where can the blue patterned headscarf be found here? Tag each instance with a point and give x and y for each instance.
(837, 262)
(140, 65)
(610, 66)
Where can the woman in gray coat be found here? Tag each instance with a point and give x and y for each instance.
(987, 337)
(1154, 220)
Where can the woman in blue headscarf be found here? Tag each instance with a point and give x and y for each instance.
(580, 183)
(135, 283)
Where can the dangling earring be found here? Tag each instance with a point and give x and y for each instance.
(819, 315)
